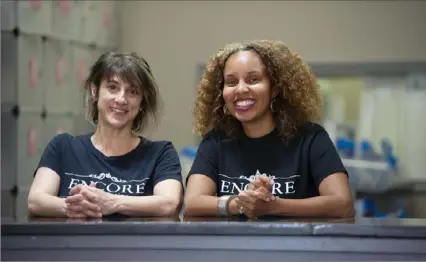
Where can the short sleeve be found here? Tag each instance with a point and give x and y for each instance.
(206, 160)
(324, 158)
(51, 157)
(168, 165)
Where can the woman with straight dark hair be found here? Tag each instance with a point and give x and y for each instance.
(114, 170)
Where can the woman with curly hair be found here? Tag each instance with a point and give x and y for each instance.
(261, 152)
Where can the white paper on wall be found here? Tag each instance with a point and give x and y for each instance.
(415, 127)
(380, 111)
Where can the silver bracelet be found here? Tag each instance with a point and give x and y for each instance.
(222, 205)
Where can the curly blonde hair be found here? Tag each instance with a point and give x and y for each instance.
(298, 97)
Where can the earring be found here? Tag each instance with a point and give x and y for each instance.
(271, 105)
(225, 110)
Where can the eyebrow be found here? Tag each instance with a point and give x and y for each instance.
(255, 72)
(113, 81)
(249, 73)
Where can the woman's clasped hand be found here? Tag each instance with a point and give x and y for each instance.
(257, 198)
(89, 202)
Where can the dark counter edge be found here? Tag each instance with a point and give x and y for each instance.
(212, 228)
(154, 228)
(376, 231)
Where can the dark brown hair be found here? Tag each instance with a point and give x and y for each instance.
(298, 99)
(130, 68)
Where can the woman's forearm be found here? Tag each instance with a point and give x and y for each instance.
(321, 206)
(45, 205)
(201, 205)
(146, 205)
(204, 205)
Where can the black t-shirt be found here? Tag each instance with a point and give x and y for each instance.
(77, 161)
(297, 167)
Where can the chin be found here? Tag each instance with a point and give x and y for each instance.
(117, 123)
(244, 118)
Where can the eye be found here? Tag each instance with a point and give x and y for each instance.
(111, 87)
(254, 80)
(231, 82)
(134, 91)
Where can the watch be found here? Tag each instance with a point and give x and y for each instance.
(222, 204)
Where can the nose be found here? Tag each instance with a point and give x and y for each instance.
(121, 97)
(242, 87)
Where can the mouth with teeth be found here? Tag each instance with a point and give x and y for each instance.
(119, 111)
(244, 104)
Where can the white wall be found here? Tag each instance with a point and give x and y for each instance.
(175, 36)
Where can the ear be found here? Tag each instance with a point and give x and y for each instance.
(93, 90)
(274, 94)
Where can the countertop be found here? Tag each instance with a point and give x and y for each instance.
(271, 226)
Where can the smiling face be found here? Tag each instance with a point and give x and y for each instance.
(118, 102)
(247, 91)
